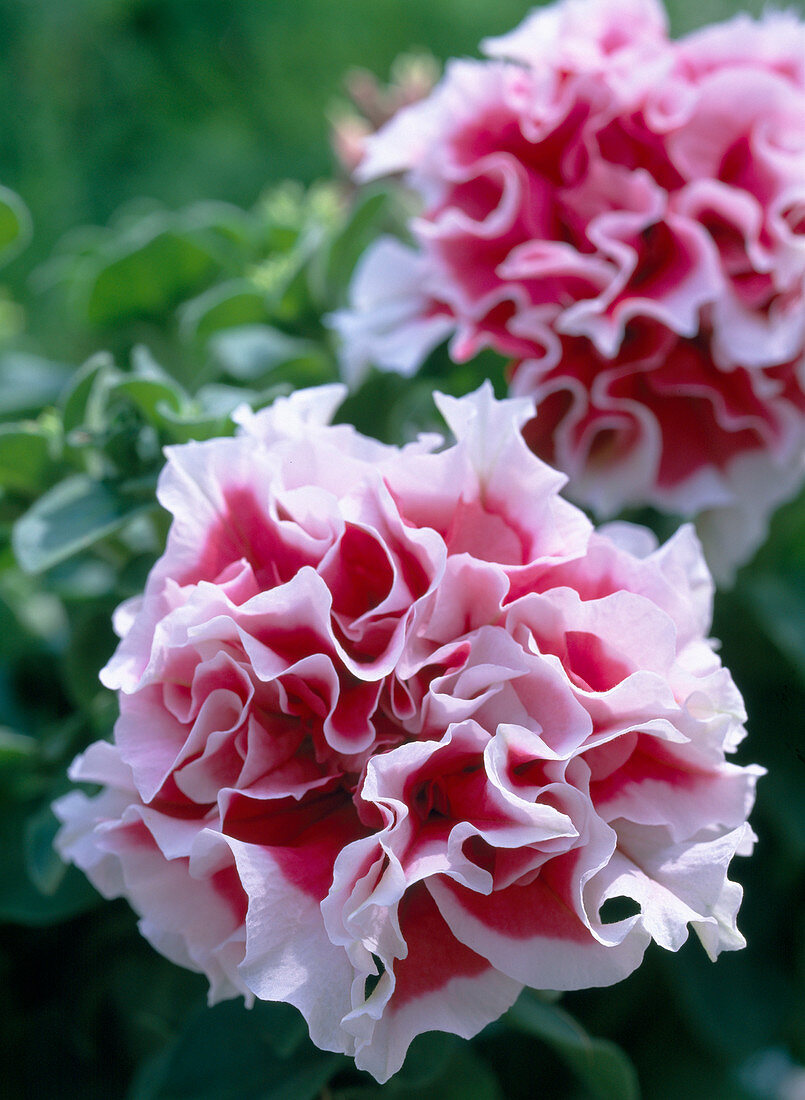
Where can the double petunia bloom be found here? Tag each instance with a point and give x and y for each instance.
(622, 216)
(397, 725)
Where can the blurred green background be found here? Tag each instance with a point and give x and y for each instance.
(127, 114)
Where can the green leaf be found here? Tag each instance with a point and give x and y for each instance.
(436, 1065)
(16, 748)
(28, 383)
(284, 276)
(205, 417)
(70, 517)
(82, 400)
(466, 1076)
(427, 1059)
(21, 902)
(44, 865)
(250, 352)
(91, 644)
(782, 552)
(739, 1004)
(779, 604)
(600, 1065)
(24, 457)
(229, 1053)
(150, 278)
(150, 395)
(154, 392)
(226, 306)
(15, 224)
(348, 246)
(222, 222)
(82, 578)
(31, 620)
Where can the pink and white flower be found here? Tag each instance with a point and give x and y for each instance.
(623, 217)
(397, 723)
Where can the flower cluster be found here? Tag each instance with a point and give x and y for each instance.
(397, 724)
(623, 217)
(371, 104)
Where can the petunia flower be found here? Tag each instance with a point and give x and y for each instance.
(622, 216)
(397, 724)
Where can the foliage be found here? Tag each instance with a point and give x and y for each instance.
(198, 309)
